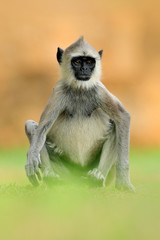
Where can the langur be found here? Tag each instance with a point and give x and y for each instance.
(82, 123)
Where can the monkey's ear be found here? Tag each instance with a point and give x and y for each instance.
(59, 55)
(100, 53)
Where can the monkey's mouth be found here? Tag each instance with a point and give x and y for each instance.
(83, 77)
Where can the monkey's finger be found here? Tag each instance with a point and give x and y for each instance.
(33, 180)
(29, 169)
(89, 173)
(30, 174)
(39, 176)
(92, 172)
(40, 164)
(37, 173)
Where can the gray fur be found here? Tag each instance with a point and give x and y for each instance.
(80, 120)
(80, 101)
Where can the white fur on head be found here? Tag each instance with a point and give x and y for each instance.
(80, 48)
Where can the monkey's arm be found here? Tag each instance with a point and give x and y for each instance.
(117, 147)
(114, 108)
(51, 112)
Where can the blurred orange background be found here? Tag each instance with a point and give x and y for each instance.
(127, 31)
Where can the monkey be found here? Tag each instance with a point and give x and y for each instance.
(81, 122)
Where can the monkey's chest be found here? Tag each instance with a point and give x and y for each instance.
(80, 137)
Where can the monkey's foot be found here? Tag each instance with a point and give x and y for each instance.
(49, 176)
(126, 186)
(50, 173)
(97, 174)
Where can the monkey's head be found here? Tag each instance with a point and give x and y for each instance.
(80, 64)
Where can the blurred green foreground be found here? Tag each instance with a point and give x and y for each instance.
(76, 210)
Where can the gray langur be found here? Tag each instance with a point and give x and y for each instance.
(82, 122)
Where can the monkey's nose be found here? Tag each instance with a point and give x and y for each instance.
(84, 69)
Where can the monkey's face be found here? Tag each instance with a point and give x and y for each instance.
(80, 64)
(83, 67)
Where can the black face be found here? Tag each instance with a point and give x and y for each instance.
(83, 67)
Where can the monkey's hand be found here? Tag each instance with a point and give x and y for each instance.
(97, 174)
(123, 185)
(123, 179)
(32, 167)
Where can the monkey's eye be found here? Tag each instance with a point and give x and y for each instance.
(89, 62)
(77, 62)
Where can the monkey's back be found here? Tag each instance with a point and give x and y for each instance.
(80, 137)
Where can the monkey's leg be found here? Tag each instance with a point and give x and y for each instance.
(46, 167)
(107, 159)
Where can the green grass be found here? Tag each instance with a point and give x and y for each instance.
(77, 210)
